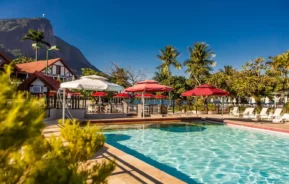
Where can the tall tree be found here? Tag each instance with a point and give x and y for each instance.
(169, 56)
(280, 64)
(89, 71)
(22, 59)
(118, 75)
(228, 70)
(253, 81)
(200, 62)
(135, 75)
(223, 79)
(37, 37)
(160, 77)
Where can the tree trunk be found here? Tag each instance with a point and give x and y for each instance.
(170, 100)
(258, 101)
(36, 54)
(197, 80)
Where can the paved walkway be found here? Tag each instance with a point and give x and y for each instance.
(129, 170)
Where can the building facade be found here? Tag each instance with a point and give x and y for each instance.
(34, 77)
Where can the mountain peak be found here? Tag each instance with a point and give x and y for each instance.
(13, 30)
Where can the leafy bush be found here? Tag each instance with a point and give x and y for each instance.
(199, 104)
(179, 102)
(211, 107)
(26, 156)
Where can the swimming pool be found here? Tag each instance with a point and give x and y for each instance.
(208, 153)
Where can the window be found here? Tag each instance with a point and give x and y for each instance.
(36, 89)
(58, 70)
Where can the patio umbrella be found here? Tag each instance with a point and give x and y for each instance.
(206, 90)
(121, 95)
(75, 94)
(147, 95)
(99, 94)
(148, 86)
(91, 82)
(160, 97)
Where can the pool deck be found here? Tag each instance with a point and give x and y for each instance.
(132, 170)
(227, 119)
(129, 170)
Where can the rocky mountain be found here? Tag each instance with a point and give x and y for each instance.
(12, 30)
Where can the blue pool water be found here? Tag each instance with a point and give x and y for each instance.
(208, 153)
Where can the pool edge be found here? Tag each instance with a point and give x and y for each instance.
(257, 127)
(132, 167)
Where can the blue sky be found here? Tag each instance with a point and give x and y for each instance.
(130, 32)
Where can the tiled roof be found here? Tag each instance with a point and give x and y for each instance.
(51, 83)
(36, 65)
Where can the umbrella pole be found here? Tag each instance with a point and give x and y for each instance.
(222, 106)
(63, 107)
(142, 96)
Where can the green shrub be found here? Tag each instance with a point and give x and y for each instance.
(211, 107)
(199, 104)
(27, 157)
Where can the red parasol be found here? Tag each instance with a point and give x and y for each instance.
(75, 94)
(205, 90)
(160, 96)
(148, 86)
(147, 95)
(121, 95)
(67, 91)
(99, 94)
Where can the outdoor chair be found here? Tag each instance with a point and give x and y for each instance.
(234, 112)
(249, 114)
(246, 111)
(263, 114)
(90, 109)
(277, 114)
(282, 119)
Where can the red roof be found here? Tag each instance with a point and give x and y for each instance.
(51, 83)
(36, 65)
(40, 66)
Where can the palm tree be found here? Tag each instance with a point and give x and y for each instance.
(280, 65)
(37, 37)
(168, 56)
(160, 77)
(200, 62)
(228, 70)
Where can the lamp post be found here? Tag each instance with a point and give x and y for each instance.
(36, 46)
(54, 47)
